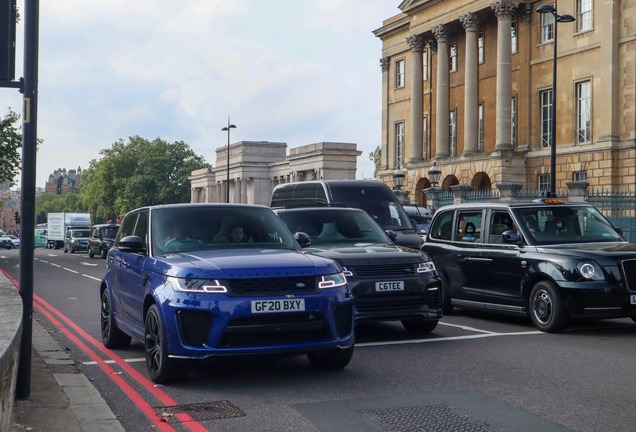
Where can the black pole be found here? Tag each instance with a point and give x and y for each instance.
(27, 227)
(553, 125)
(227, 186)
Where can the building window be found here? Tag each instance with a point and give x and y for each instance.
(579, 176)
(513, 36)
(546, 117)
(584, 111)
(453, 133)
(513, 122)
(399, 73)
(424, 136)
(399, 144)
(585, 15)
(480, 47)
(547, 27)
(453, 56)
(425, 66)
(481, 128)
(544, 182)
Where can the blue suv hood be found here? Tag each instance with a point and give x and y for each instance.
(244, 264)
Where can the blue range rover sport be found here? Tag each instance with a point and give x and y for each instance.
(192, 281)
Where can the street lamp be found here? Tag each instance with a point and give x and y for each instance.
(398, 179)
(544, 9)
(227, 190)
(434, 175)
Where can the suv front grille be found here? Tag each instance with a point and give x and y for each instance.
(369, 271)
(629, 269)
(390, 304)
(272, 286)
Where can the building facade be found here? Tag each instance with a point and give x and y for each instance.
(61, 182)
(256, 167)
(468, 85)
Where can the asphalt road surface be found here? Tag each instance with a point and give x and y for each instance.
(475, 372)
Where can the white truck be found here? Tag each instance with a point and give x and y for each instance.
(59, 223)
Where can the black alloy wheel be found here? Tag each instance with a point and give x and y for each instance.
(103, 252)
(90, 253)
(112, 337)
(161, 368)
(546, 308)
(331, 359)
(419, 325)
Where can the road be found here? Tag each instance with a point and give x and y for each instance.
(474, 372)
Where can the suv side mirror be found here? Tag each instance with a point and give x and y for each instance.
(303, 239)
(618, 230)
(392, 235)
(131, 244)
(510, 237)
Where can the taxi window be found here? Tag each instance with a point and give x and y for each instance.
(469, 227)
(500, 222)
(443, 226)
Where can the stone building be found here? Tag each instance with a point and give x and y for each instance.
(256, 167)
(469, 86)
(61, 182)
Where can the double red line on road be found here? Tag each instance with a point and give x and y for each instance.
(132, 394)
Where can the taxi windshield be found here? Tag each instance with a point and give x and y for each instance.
(563, 224)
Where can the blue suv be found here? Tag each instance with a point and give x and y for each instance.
(193, 281)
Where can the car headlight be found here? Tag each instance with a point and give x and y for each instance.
(426, 267)
(196, 285)
(347, 272)
(332, 281)
(590, 271)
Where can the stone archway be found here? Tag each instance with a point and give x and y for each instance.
(449, 180)
(481, 182)
(420, 197)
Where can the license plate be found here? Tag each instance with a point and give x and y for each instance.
(632, 299)
(269, 306)
(389, 286)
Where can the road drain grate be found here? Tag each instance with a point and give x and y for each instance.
(432, 418)
(202, 411)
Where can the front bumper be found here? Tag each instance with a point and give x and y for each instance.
(597, 299)
(206, 325)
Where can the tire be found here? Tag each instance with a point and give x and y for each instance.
(419, 325)
(161, 368)
(112, 337)
(90, 253)
(65, 251)
(331, 360)
(546, 308)
(72, 250)
(103, 252)
(447, 305)
(12, 246)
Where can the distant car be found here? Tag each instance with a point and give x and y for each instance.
(15, 240)
(389, 282)
(422, 218)
(192, 281)
(102, 239)
(76, 239)
(6, 242)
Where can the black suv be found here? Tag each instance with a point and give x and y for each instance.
(102, 239)
(547, 259)
(389, 282)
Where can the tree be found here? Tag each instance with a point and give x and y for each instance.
(10, 144)
(138, 173)
(70, 202)
(376, 157)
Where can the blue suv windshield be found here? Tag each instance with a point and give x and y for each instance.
(181, 229)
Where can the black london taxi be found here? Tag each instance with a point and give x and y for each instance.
(546, 259)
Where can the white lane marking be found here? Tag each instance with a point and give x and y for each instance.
(52, 255)
(132, 360)
(36, 259)
(467, 328)
(91, 277)
(72, 298)
(2, 256)
(418, 341)
(45, 262)
(87, 264)
(68, 269)
(56, 265)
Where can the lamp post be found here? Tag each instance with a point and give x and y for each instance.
(544, 9)
(434, 174)
(227, 189)
(398, 179)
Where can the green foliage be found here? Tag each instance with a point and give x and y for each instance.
(137, 173)
(10, 144)
(70, 202)
(376, 157)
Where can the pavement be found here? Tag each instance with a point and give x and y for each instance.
(62, 398)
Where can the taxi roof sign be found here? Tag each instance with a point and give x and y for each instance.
(550, 201)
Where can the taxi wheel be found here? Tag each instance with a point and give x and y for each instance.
(90, 254)
(419, 325)
(161, 368)
(546, 308)
(104, 253)
(330, 360)
(112, 337)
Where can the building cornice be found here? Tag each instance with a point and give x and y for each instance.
(392, 28)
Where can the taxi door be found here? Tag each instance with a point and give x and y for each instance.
(467, 266)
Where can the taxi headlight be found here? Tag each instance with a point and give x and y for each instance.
(426, 267)
(332, 281)
(196, 285)
(590, 271)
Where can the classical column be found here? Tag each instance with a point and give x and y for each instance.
(504, 9)
(471, 23)
(609, 21)
(237, 191)
(384, 157)
(417, 42)
(244, 190)
(193, 195)
(442, 108)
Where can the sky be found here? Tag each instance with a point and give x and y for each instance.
(293, 71)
